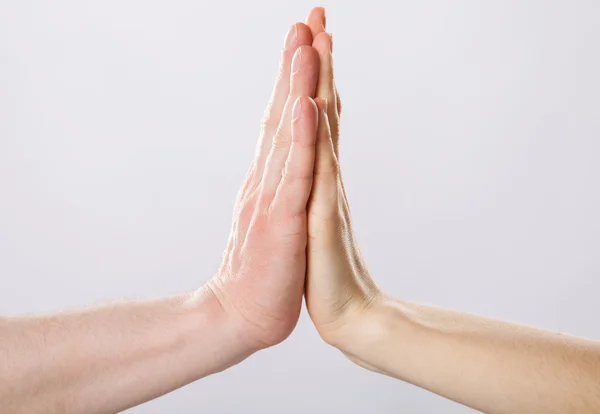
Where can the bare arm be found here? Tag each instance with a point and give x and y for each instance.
(487, 364)
(493, 366)
(106, 359)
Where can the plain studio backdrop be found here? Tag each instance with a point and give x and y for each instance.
(470, 140)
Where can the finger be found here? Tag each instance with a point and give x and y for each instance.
(296, 182)
(303, 82)
(317, 20)
(326, 86)
(325, 190)
(298, 35)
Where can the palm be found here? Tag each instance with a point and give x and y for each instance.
(338, 283)
(261, 279)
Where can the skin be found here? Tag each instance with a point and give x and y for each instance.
(291, 234)
(109, 358)
(261, 279)
(492, 366)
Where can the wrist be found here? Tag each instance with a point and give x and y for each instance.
(215, 330)
(340, 321)
(256, 323)
(363, 336)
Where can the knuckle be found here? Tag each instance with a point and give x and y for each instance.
(329, 167)
(246, 212)
(303, 142)
(290, 228)
(258, 229)
(281, 142)
(294, 175)
(269, 122)
(328, 226)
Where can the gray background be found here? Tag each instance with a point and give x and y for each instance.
(470, 144)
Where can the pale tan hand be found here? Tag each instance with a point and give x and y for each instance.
(338, 283)
(490, 365)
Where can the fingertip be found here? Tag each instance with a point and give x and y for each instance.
(305, 56)
(297, 110)
(312, 105)
(299, 34)
(317, 20)
(305, 36)
(301, 107)
(314, 111)
(323, 43)
(302, 104)
(304, 109)
(305, 51)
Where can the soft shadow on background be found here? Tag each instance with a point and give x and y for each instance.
(470, 142)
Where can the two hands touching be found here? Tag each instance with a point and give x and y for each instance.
(291, 237)
(291, 233)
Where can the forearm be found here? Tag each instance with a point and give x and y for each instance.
(107, 359)
(492, 366)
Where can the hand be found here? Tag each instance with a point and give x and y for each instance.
(261, 280)
(338, 286)
(492, 366)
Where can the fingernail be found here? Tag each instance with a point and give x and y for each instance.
(297, 111)
(297, 61)
(324, 19)
(290, 38)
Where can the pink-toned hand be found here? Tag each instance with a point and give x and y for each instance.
(261, 280)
